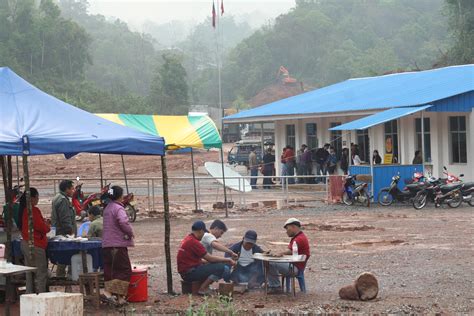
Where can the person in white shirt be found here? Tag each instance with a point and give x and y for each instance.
(247, 270)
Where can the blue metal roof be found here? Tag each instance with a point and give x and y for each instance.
(373, 93)
(379, 118)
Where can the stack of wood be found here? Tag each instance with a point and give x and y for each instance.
(364, 288)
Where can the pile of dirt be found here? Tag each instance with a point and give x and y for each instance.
(275, 92)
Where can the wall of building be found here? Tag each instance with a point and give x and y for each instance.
(439, 132)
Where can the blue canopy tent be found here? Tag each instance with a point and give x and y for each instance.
(35, 123)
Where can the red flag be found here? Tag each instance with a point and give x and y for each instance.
(213, 15)
(222, 7)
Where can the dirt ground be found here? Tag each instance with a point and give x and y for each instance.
(423, 260)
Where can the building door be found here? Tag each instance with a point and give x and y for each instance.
(364, 146)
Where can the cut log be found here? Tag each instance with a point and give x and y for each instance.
(349, 292)
(367, 286)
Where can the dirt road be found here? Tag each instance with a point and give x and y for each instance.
(423, 260)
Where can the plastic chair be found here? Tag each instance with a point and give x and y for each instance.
(83, 229)
(299, 277)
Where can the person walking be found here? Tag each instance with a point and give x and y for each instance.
(253, 166)
(345, 160)
(332, 161)
(40, 229)
(63, 217)
(117, 237)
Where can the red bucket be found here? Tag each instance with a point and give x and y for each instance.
(138, 288)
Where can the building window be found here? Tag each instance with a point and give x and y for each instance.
(427, 150)
(290, 135)
(363, 142)
(336, 139)
(457, 135)
(311, 138)
(391, 140)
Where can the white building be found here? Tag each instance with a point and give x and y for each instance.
(389, 106)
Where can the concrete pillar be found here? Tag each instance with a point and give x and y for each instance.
(52, 303)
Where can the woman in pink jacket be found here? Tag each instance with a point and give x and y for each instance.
(117, 237)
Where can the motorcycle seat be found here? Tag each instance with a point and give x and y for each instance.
(449, 187)
(468, 185)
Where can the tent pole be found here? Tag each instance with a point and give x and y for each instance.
(194, 182)
(124, 174)
(223, 182)
(7, 185)
(29, 207)
(17, 171)
(169, 274)
(101, 174)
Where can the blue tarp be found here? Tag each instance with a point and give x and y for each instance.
(379, 118)
(35, 123)
(374, 93)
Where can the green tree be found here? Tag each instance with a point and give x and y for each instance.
(461, 23)
(169, 90)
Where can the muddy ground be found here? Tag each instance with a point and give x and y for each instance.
(423, 260)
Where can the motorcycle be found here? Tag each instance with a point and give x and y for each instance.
(355, 192)
(128, 202)
(392, 193)
(82, 204)
(467, 190)
(428, 193)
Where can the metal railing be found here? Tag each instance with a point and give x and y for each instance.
(281, 192)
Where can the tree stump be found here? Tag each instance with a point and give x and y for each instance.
(349, 292)
(367, 286)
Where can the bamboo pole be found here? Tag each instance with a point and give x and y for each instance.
(194, 183)
(124, 174)
(7, 186)
(101, 174)
(169, 274)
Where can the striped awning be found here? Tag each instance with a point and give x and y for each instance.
(194, 131)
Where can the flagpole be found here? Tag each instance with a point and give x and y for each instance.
(217, 19)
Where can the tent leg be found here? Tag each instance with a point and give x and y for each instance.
(29, 207)
(125, 174)
(196, 209)
(223, 182)
(101, 174)
(7, 185)
(17, 171)
(169, 275)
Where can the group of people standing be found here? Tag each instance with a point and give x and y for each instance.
(114, 229)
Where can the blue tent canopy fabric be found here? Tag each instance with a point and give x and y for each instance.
(373, 93)
(33, 122)
(379, 118)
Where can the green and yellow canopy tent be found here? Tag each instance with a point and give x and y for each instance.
(192, 131)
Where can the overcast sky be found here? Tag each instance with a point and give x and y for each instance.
(162, 11)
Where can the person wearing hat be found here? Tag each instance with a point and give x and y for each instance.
(247, 269)
(190, 264)
(277, 269)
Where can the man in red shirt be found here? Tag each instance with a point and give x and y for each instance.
(190, 264)
(293, 230)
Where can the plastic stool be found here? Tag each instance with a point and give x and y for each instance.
(301, 282)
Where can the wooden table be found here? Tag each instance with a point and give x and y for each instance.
(266, 259)
(10, 270)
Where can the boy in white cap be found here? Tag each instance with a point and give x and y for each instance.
(293, 230)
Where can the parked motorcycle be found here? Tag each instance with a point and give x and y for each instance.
(392, 193)
(467, 191)
(355, 192)
(427, 193)
(128, 202)
(82, 204)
